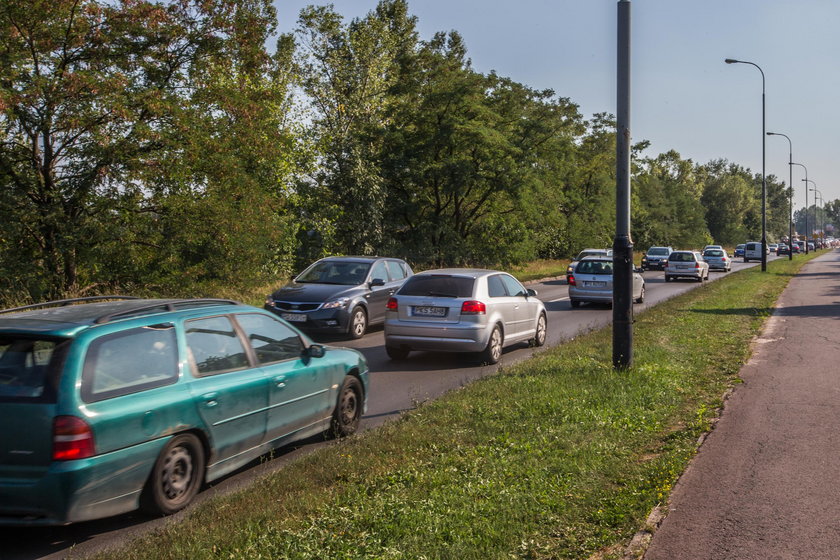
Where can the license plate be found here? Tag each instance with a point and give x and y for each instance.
(683, 267)
(294, 317)
(428, 311)
(594, 284)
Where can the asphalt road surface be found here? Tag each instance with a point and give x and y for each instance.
(395, 387)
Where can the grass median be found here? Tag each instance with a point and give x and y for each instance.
(559, 456)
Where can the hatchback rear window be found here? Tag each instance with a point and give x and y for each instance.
(681, 257)
(594, 267)
(28, 368)
(658, 251)
(438, 285)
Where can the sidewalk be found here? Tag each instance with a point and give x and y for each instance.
(766, 482)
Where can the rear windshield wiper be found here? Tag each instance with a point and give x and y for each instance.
(441, 294)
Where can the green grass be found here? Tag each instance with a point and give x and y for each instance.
(557, 457)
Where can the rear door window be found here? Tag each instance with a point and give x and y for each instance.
(215, 346)
(28, 368)
(130, 361)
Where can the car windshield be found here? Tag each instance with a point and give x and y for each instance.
(658, 251)
(591, 253)
(595, 267)
(347, 273)
(713, 253)
(681, 257)
(438, 285)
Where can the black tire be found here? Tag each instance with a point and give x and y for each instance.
(176, 476)
(575, 303)
(539, 336)
(358, 322)
(641, 298)
(493, 352)
(667, 278)
(397, 352)
(348, 409)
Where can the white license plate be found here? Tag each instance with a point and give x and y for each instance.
(294, 317)
(429, 311)
(594, 284)
(683, 267)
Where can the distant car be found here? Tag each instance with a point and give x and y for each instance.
(121, 403)
(586, 253)
(592, 282)
(773, 248)
(796, 247)
(810, 246)
(342, 295)
(752, 251)
(463, 310)
(712, 247)
(782, 249)
(656, 257)
(739, 250)
(686, 264)
(718, 259)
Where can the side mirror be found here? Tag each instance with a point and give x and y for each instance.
(376, 282)
(314, 351)
(638, 270)
(530, 292)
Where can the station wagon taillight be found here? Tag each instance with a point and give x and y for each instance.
(473, 308)
(72, 439)
(392, 304)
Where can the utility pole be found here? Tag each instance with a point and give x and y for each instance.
(622, 244)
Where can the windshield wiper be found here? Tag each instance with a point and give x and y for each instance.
(441, 294)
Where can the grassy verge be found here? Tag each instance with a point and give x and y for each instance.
(557, 457)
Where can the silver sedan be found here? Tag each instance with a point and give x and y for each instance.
(463, 310)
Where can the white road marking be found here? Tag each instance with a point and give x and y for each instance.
(558, 299)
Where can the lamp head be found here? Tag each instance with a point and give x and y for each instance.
(731, 61)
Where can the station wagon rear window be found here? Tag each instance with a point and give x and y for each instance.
(594, 267)
(130, 361)
(438, 285)
(28, 368)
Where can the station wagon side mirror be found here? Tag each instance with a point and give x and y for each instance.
(530, 292)
(638, 269)
(314, 351)
(376, 282)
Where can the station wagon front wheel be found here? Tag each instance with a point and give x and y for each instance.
(348, 408)
(176, 477)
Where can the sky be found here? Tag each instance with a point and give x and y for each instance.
(683, 96)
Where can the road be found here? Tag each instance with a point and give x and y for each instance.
(395, 388)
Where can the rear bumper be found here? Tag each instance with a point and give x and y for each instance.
(450, 338)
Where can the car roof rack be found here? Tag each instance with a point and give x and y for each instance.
(63, 302)
(167, 305)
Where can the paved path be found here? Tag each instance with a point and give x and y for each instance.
(766, 482)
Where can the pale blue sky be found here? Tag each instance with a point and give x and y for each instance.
(684, 97)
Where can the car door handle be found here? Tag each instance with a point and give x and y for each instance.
(210, 399)
(280, 382)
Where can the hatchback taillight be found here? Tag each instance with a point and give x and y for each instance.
(697, 265)
(473, 308)
(72, 439)
(572, 281)
(392, 304)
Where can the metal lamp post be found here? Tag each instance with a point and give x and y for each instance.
(806, 204)
(790, 194)
(816, 192)
(806, 208)
(763, 159)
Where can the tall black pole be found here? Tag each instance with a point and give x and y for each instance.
(622, 244)
(790, 193)
(763, 159)
(806, 203)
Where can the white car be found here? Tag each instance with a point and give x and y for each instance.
(592, 282)
(686, 264)
(753, 251)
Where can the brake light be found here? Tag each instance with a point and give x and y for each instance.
(473, 308)
(72, 439)
(392, 304)
(572, 281)
(697, 265)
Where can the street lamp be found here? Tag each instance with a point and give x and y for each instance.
(806, 180)
(806, 205)
(816, 192)
(790, 195)
(763, 158)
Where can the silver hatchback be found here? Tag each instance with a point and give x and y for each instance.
(592, 281)
(463, 310)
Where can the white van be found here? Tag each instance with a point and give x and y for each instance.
(753, 251)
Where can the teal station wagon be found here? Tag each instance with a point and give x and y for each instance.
(110, 404)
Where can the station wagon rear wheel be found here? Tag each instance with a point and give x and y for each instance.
(176, 476)
(348, 409)
(493, 352)
(397, 352)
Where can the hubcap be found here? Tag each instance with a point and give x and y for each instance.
(348, 407)
(177, 473)
(496, 344)
(359, 323)
(541, 330)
